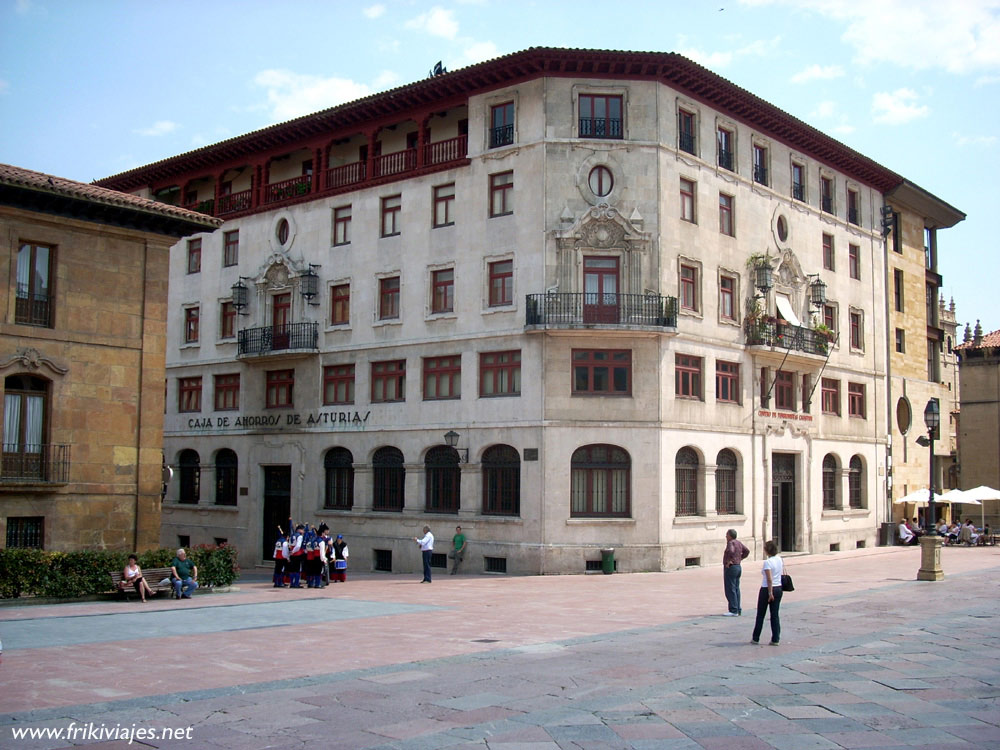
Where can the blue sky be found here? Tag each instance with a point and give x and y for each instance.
(90, 88)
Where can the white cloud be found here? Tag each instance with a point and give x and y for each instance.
(818, 73)
(825, 109)
(436, 22)
(715, 60)
(291, 95)
(974, 140)
(374, 11)
(898, 107)
(960, 36)
(477, 52)
(160, 127)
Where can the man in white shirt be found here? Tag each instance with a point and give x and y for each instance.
(905, 535)
(426, 550)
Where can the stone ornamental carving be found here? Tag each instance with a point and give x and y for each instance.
(603, 227)
(32, 359)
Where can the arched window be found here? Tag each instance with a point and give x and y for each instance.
(339, 465)
(443, 480)
(725, 482)
(829, 482)
(501, 481)
(855, 484)
(600, 480)
(226, 465)
(686, 479)
(387, 477)
(25, 403)
(190, 485)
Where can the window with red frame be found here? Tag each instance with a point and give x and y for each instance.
(194, 256)
(689, 288)
(854, 260)
(280, 386)
(856, 400)
(501, 283)
(602, 372)
(831, 396)
(687, 376)
(227, 321)
(501, 124)
(338, 384)
(442, 377)
(388, 298)
(388, 381)
(806, 392)
(192, 316)
(227, 392)
(340, 304)
(727, 298)
(500, 373)
(727, 382)
(687, 200)
(501, 194)
(443, 290)
(826, 194)
(231, 248)
(687, 137)
(727, 148)
(444, 205)
(391, 207)
(189, 394)
(830, 317)
(600, 116)
(342, 225)
(726, 215)
(857, 331)
(784, 389)
(828, 259)
(853, 207)
(600, 479)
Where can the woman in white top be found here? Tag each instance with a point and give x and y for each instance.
(769, 596)
(132, 576)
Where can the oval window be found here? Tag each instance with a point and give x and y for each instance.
(782, 229)
(601, 181)
(282, 231)
(904, 417)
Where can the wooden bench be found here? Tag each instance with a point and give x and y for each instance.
(153, 577)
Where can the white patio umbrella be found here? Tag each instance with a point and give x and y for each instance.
(919, 497)
(958, 496)
(979, 494)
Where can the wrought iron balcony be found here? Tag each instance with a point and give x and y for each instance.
(501, 136)
(852, 216)
(726, 159)
(760, 174)
(798, 191)
(785, 336)
(292, 338)
(827, 202)
(33, 309)
(687, 142)
(34, 464)
(600, 127)
(583, 310)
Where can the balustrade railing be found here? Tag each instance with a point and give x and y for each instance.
(281, 191)
(44, 462)
(583, 308)
(346, 174)
(269, 339)
(786, 336)
(390, 164)
(445, 151)
(229, 204)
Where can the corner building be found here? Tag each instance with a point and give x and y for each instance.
(600, 275)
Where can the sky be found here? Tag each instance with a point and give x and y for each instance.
(91, 88)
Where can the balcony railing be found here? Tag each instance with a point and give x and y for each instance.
(41, 463)
(390, 164)
(798, 191)
(202, 207)
(273, 339)
(445, 151)
(726, 159)
(827, 203)
(600, 127)
(686, 142)
(293, 188)
(784, 336)
(346, 174)
(852, 216)
(230, 204)
(32, 310)
(760, 174)
(502, 136)
(586, 309)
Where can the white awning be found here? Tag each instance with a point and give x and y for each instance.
(785, 308)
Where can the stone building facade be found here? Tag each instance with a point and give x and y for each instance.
(569, 300)
(82, 361)
(979, 423)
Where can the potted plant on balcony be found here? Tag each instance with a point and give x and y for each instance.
(824, 336)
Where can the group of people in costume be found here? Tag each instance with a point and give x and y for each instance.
(309, 552)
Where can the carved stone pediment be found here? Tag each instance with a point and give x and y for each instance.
(603, 227)
(790, 273)
(32, 359)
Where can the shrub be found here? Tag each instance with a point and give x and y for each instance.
(34, 572)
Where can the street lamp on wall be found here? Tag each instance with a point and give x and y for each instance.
(451, 440)
(240, 295)
(309, 284)
(817, 292)
(764, 277)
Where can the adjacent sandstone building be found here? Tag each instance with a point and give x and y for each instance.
(82, 335)
(569, 299)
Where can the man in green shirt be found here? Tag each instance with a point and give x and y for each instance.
(458, 551)
(184, 575)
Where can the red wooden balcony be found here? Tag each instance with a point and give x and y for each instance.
(347, 174)
(390, 164)
(445, 151)
(293, 188)
(230, 204)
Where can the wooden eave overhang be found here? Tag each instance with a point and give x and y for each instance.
(935, 211)
(453, 88)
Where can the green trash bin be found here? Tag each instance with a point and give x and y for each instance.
(608, 561)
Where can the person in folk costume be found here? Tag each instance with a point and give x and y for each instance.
(325, 550)
(296, 556)
(280, 558)
(314, 565)
(340, 555)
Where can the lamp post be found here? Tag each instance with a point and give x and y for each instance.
(930, 542)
